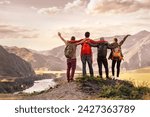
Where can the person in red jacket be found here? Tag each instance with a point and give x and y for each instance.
(86, 54)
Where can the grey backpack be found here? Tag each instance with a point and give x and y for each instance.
(70, 50)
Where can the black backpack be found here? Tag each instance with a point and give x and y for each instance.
(102, 50)
(70, 50)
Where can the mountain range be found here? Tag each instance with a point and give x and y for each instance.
(135, 50)
(14, 66)
(37, 60)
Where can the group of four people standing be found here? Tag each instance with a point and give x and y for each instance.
(86, 55)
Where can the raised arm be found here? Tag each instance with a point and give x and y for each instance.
(59, 34)
(121, 42)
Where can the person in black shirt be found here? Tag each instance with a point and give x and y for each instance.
(102, 55)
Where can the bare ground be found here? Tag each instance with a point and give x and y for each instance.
(64, 91)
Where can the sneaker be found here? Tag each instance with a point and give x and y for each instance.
(117, 78)
(113, 77)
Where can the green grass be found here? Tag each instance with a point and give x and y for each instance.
(113, 89)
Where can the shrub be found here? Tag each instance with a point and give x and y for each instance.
(112, 89)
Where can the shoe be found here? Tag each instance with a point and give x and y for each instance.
(72, 80)
(68, 80)
(108, 78)
(118, 78)
(113, 77)
(100, 77)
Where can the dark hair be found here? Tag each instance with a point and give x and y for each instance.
(73, 38)
(87, 34)
(116, 40)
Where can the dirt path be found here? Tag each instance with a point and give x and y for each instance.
(64, 91)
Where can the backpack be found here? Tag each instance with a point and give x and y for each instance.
(116, 54)
(86, 48)
(70, 50)
(102, 50)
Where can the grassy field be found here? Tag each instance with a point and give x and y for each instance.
(136, 76)
(139, 76)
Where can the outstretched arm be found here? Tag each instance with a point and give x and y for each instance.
(121, 42)
(59, 34)
(95, 42)
(93, 45)
(81, 41)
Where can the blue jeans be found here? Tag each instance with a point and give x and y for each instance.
(88, 59)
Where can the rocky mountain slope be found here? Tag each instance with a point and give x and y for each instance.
(12, 65)
(39, 61)
(136, 51)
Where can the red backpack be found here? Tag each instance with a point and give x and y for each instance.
(86, 48)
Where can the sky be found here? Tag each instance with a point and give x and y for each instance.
(34, 23)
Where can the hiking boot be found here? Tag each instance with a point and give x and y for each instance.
(108, 78)
(72, 80)
(68, 80)
(101, 77)
(113, 77)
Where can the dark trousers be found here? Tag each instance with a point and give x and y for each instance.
(118, 67)
(88, 59)
(100, 61)
(71, 67)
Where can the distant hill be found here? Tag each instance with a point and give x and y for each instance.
(135, 49)
(12, 65)
(39, 61)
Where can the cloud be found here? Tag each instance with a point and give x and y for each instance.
(100, 6)
(9, 31)
(4, 2)
(117, 6)
(49, 11)
(75, 5)
(92, 6)
(33, 8)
